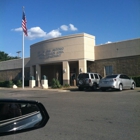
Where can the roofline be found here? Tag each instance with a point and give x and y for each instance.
(65, 37)
(118, 42)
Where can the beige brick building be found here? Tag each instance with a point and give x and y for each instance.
(65, 57)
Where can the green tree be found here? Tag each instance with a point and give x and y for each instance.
(4, 56)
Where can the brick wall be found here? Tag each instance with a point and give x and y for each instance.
(127, 65)
(15, 74)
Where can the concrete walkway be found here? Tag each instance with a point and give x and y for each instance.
(71, 88)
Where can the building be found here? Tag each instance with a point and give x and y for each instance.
(65, 57)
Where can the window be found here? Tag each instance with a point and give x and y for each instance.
(100, 76)
(96, 76)
(108, 70)
(91, 76)
(112, 76)
(121, 76)
(83, 75)
(126, 77)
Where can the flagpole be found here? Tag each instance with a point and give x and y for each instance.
(23, 62)
(23, 59)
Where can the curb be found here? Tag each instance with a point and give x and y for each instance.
(50, 89)
(40, 88)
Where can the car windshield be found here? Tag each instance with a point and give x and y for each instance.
(83, 75)
(111, 76)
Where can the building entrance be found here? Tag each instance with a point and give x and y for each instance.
(73, 72)
(52, 71)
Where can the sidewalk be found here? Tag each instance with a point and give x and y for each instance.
(71, 88)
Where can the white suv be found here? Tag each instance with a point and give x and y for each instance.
(88, 80)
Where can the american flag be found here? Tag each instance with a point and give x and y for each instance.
(24, 24)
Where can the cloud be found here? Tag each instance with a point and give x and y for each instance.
(53, 34)
(108, 42)
(17, 29)
(64, 27)
(37, 32)
(72, 28)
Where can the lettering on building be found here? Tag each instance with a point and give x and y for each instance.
(50, 53)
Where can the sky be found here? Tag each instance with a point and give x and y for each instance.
(107, 20)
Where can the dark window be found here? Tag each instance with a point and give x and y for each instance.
(126, 77)
(96, 76)
(108, 70)
(122, 76)
(91, 76)
(111, 76)
(83, 75)
(100, 76)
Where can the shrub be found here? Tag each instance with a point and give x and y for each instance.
(66, 85)
(55, 83)
(9, 84)
(3, 84)
(19, 83)
(137, 80)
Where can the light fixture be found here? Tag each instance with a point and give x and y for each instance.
(81, 70)
(64, 70)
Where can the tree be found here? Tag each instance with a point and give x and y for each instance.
(4, 56)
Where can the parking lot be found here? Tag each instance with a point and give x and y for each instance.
(80, 115)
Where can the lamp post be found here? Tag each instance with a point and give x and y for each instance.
(18, 53)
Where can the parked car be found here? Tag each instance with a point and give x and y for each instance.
(88, 80)
(117, 81)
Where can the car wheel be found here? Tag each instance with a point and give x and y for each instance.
(80, 88)
(133, 86)
(94, 87)
(120, 87)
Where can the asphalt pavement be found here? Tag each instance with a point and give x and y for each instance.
(82, 115)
